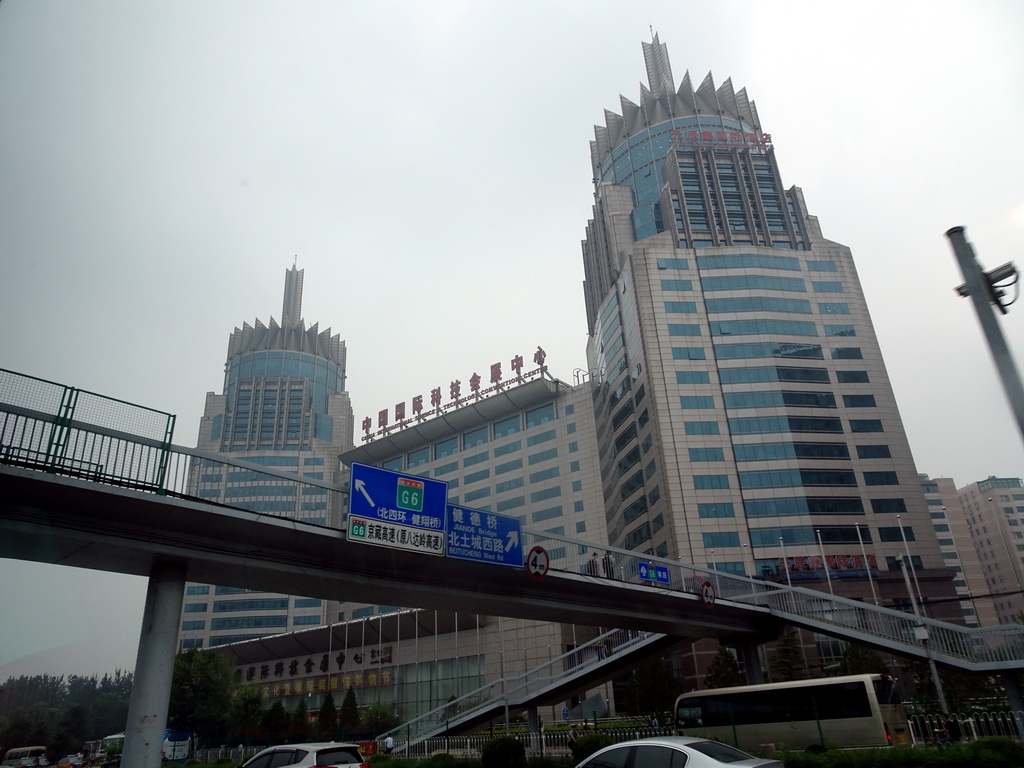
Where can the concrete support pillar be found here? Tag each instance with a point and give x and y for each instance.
(154, 667)
(751, 663)
(533, 720)
(536, 738)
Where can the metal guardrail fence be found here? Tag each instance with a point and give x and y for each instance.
(62, 430)
(58, 429)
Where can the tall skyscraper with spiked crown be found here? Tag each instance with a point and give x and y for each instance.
(744, 413)
(284, 405)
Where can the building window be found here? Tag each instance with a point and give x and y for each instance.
(447, 447)
(418, 457)
(474, 438)
(852, 377)
(833, 308)
(710, 482)
(707, 454)
(693, 377)
(892, 533)
(873, 452)
(716, 539)
(689, 353)
(827, 286)
(889, 506)
(509, 485)
(866, 425)
(720, 509)
(540, 415)
(508, 426)
(476, 458)
(846, 353)
(701, 427)
(695, 402)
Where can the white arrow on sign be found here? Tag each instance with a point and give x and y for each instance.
(361, 487)
(513, 540)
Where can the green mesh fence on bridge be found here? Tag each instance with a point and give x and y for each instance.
(45, 425)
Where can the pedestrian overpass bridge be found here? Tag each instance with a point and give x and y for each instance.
(87, 481)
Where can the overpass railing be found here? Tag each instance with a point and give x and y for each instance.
(67, 431)
(60, 430)
(818, 611)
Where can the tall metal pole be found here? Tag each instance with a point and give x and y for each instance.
(867, 565)
(910, 563)
(976, 284)
(824, 562)
(921, 633)
(785, 561)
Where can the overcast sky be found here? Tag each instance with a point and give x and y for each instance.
(163, 163)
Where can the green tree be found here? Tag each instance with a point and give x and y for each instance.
(724, 670)
(348, 715)
(246, 714)
(327, 719)
(201, 693)
(787, 657)
(651, 688)
(71, 732)
(861, 660)
(378, 719)
(503, 752)
(276, 723)
(300, 722)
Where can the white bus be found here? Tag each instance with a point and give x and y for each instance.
(852, 711)
(177, 746)
(19, 756)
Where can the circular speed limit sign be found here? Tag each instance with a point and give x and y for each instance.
(537, 562)
(707, 593)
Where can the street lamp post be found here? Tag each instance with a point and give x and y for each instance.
(824, 562)
(921, 633)
(867, 565)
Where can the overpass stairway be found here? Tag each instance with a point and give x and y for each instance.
(606, 656)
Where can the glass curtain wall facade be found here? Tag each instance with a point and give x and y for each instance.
(284, 405)
(744, 415)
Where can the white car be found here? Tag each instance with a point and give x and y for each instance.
(324, 754)
(674, 752)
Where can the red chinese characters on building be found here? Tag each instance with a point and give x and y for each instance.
(456, 398)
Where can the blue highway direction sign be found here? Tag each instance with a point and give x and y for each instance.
(391, 509)
(651, 572)
(484, 536)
